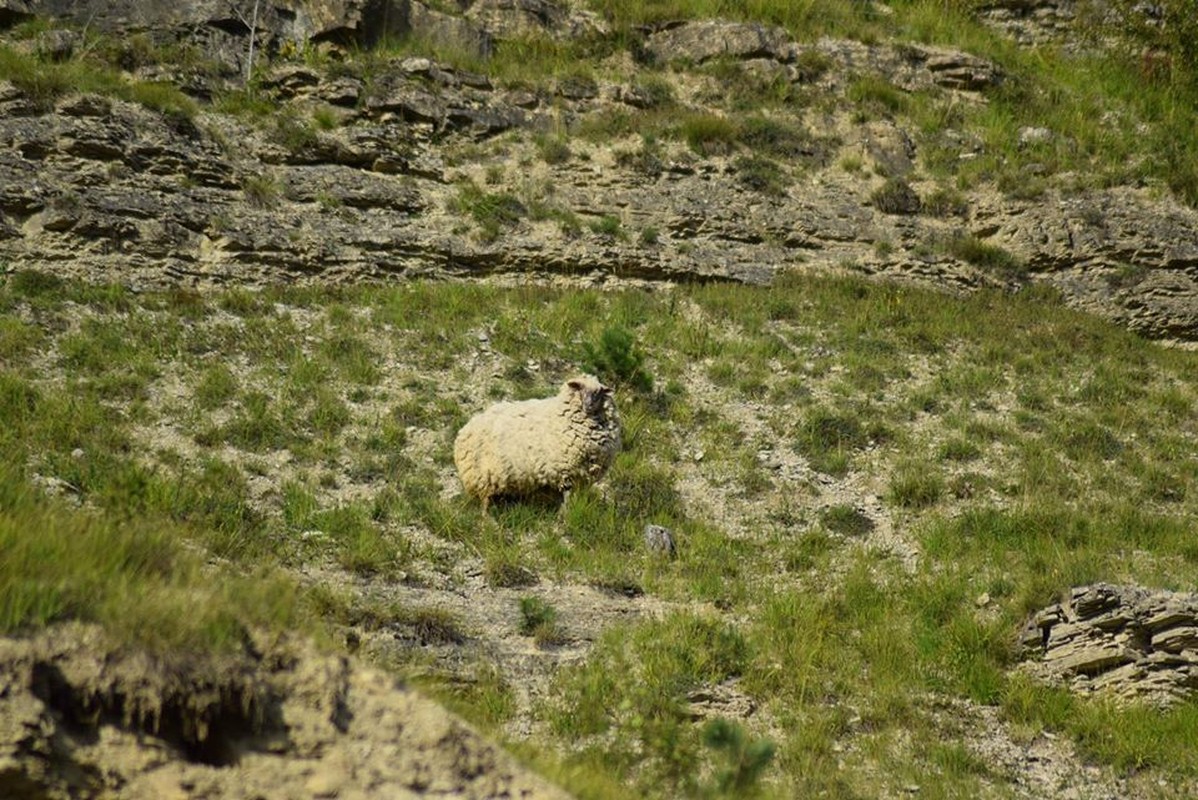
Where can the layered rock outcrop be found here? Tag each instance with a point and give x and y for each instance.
(110, 190)
(1128, 642)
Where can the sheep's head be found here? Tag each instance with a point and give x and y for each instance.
(592, 395)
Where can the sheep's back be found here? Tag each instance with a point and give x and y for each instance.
(519, 447)
(510, 448)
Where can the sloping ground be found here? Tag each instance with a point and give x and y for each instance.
(848, 512)
(80, 719)
(765, 442)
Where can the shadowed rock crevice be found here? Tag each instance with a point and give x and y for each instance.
(82, 719)
(205, 720)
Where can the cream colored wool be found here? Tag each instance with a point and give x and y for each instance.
(555, 443)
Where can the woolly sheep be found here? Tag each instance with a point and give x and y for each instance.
(554, 443)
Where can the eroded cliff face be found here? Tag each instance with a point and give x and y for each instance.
(407, 166)
(82, 718)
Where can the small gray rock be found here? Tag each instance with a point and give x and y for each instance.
(659, 539)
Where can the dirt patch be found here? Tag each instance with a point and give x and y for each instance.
(487, 631)
(81, 719)
(1027, 764)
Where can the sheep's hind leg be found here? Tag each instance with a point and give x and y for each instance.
(564, 492)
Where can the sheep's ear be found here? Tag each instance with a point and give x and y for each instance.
(576, 385)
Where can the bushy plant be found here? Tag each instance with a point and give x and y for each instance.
(846, 520)
(538, 619)
(709, 134)
(761, 175)
(554, 149)
(745, 758)
(491, 210)
(915, 486)
(654, 91)
(616, 359)
(973, 250)
(263, 191)
(896, 197)
(432, 625)
(608, 226)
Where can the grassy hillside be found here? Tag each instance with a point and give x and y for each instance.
(206, 452)
(871, 487)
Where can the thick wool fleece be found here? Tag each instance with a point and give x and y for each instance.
(553, 443)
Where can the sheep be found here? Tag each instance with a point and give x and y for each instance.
(555, 443)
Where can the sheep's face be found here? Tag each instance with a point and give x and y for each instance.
(592, 395)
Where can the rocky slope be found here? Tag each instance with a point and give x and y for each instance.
(410, 167)
(113, 191)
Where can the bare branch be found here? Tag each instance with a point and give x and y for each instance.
(252, 24)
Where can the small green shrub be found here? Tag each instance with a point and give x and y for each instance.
(504, 570)
(329, 413)
(17, 339)
(616, 359)
(492, 211)
(896, 197)
(247, 103)
(352, 357)
(709, 134)
(262, 190)
(806, 551)
(654, 91)
(915, 486)
(1089, 440)
(761, 175)
(745, 758)
(876, 96)
(973, 250)
(554, 149)
(846, 520)
(432, 625)
(33, 283)
(812, 65)
(325, 118)
(45, 82)
(828, 438)
(776, 137)
(608, 226)
(485, 697)
(217, 386)
(538, 619)
(959, 449)
(945, 202)
(293, 133)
